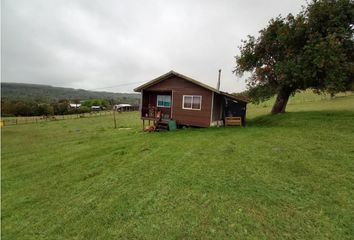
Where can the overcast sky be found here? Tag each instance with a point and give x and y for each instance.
(115, 45)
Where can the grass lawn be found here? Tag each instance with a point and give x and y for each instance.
(282, 177)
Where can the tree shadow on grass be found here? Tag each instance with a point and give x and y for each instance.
(301, 118)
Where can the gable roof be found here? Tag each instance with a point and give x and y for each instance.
(173, 73)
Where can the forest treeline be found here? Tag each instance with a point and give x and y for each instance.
(24, 91)
(18, 99)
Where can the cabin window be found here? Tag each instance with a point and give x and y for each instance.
(164, 101)
(192, 102)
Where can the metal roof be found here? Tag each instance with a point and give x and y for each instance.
(75, 105)
(173, 73)
(122, 105)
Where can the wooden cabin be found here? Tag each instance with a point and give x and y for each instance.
(188, 102)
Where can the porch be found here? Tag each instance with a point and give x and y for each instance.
(227, 110)
(156, 107)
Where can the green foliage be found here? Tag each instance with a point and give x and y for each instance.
(83, 179)
(44, 109)
(30, 108)
(96, 102)
(22, 109)
(314, 49)
(37, 100)
(61, 107)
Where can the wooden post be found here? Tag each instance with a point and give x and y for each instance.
(114, 117)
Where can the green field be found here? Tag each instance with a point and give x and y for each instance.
(289, 176)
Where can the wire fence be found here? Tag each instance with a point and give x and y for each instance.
(38, 119)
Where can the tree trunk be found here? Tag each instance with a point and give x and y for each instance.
(280, 102)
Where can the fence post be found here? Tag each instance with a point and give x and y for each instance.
(114, 118)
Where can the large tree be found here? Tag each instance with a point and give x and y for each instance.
(314, 49)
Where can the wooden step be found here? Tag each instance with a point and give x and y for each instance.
(162, 125)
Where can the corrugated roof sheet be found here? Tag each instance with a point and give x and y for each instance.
(173, 73)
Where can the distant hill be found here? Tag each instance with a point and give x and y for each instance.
(24, 91)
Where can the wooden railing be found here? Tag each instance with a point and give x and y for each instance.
(152, 112)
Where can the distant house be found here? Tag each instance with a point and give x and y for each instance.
(75, 105)
(188, 101)
(95, 108)
(122, 107)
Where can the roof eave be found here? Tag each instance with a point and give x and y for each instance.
(168, 74)
(233, 97)
(162, 77)
(153, 81)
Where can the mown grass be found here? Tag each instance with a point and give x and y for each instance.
(282, 177)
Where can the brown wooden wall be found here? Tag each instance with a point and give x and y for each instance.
(180, 87)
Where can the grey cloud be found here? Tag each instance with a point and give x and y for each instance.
(94, 44)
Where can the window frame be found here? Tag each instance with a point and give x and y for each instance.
(157, 101)
(191, 108)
